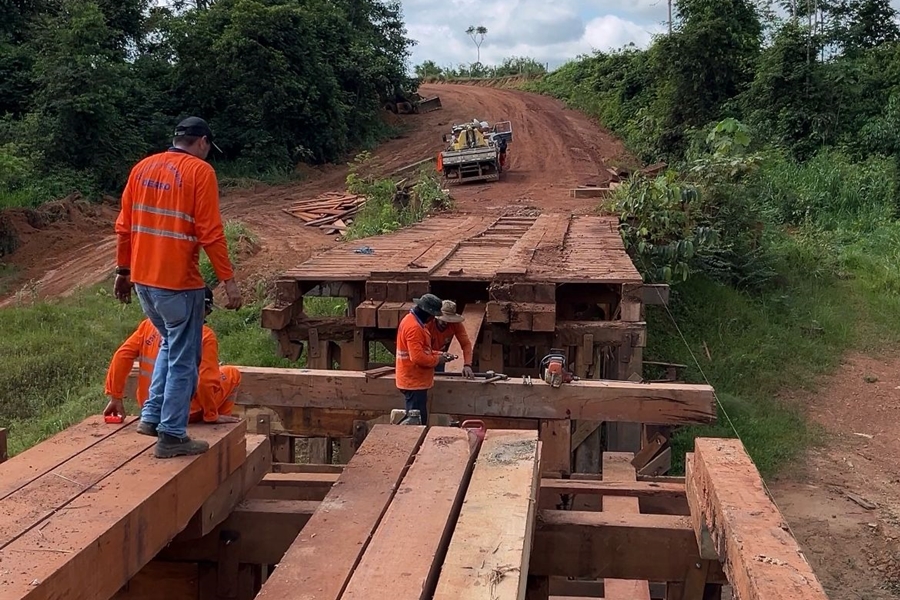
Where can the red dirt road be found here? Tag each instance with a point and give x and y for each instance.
(553, 149)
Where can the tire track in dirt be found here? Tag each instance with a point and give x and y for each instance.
(553, 150)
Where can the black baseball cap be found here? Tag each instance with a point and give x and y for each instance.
(198, 127)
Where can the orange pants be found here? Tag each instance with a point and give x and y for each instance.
(231, 379)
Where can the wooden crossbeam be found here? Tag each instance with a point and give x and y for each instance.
(491, 544)
(317, 568)
(223, 501)
(605, 488)
(264, 530)
(746, 530)
(594, 545)
(617, 468)
(667, 403)
(294, 486)
(120, 523)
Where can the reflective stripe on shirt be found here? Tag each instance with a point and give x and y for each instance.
(163, 233)
(164, 211)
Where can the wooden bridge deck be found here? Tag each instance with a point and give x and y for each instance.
(552, 248)
(83, 512)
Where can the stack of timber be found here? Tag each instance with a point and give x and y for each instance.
(83, 512)
(332, 212)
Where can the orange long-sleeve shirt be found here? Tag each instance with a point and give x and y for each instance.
(440, 340)
(415, 358)
(170, 209)
(143, 346)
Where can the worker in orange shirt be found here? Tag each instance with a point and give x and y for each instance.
(214, 398)
(170, 209)
(416, 357)
(443, 329)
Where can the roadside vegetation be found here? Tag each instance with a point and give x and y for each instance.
(393, 204)
(776, 221)
(514, 66)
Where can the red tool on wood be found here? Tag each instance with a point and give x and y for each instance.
(114, 419)
(476, 427)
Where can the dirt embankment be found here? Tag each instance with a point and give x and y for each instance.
(553, 150)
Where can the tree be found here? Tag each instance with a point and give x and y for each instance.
(477, 34)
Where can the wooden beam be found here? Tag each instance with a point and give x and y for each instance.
(49, 454)
(160, 579)
(474, 318)
(556, 448)
(605, 488)
(223, 501)
(319, 563)
(762, 559)
(51, 492)
(4, 448)
(669, 403)
(617, 468)
(594, 545)
(304, 468)
(294, 486)
(491, 545)
(262, 529)
(121, 523)
(406, 552)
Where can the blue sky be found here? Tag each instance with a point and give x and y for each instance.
(551, 31)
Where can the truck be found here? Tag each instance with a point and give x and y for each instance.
(477, 151)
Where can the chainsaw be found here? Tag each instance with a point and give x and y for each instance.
(553, 369)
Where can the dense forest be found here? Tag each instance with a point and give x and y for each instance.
(774, 114)
(88, 86)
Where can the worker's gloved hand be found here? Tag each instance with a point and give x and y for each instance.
(221, 419)
(115, 408)
(468, 373)
(444, 358)
(122, 288)
(234, 295)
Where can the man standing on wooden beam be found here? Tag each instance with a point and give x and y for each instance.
(170, 209)
(444, 328)
(416, 358)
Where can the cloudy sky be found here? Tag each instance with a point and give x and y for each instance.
(551, 31)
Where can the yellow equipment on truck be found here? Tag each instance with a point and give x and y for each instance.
(476, 151)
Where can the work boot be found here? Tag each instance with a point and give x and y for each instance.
(169, 446)
(146, 428)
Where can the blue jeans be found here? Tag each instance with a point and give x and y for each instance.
(178, 316)
(441, 368)
(417, 400)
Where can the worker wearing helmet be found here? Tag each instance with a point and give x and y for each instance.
(443, 329)
(416, 358)
(170, 210)
(214, 397)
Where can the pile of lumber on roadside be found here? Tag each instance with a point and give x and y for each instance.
(332, 212)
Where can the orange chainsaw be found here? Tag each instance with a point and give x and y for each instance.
(553, 369)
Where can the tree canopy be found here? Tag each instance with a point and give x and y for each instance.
(89, 86)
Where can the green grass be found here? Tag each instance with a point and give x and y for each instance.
(54, 356)
(751, 348)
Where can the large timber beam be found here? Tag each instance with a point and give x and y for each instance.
(737, 522)
(655, 403)
(597, 545)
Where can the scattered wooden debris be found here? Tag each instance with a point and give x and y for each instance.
(331, 212)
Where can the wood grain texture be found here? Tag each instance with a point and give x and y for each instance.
(655, 403)
(116, 527)
(474, 318)
(491, 544)
(405, 555)
(762, 559)
(319, 563)
(24, 468)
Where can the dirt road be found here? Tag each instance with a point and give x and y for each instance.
(553, 150)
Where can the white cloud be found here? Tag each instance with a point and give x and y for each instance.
(550, 32)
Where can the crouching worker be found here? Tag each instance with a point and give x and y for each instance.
(214, 397)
